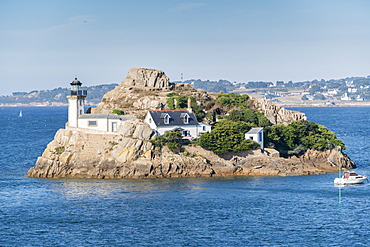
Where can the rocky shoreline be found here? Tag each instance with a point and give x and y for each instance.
(129, 154)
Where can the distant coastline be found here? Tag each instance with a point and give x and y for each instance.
(36, 104)
(281, 104)
(322, 104)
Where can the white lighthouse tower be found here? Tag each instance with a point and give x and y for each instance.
(76, 103)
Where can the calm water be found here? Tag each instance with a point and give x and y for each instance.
(233, 211)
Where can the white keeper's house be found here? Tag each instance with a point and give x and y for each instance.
(176, 120)
(93, 122)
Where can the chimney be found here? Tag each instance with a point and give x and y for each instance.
(189, 105)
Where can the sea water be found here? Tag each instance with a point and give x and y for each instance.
(229, 211)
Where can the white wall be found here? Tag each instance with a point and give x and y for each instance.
(72, 111)
(76, 107)
(192, 128)
(256, 137)
(204, 128)
(148, 119)
(195, 130)
(102, 124)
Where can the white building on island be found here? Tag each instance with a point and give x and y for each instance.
(77, 118)
(255, 134)
(183, 121)
(76, 103)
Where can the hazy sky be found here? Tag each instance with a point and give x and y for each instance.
(45, 44)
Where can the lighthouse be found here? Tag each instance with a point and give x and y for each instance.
(76, 103)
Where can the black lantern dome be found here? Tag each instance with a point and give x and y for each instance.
(76, 82)
(76, 88)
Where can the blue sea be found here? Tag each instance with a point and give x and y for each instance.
(229, 211)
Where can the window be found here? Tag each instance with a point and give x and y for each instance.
(186, 119)
(93, 123)
(203, 128)
(186, 133)
(166, 119)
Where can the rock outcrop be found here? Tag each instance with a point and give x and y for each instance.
(143, 90)
(140, 90)
(130, 154)
(147, 78)
(274, 113)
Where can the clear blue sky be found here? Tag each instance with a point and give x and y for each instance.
(44, 44)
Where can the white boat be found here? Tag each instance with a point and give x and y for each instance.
(350, 178)
(20, 113)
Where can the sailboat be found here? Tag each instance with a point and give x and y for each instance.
(20, 114)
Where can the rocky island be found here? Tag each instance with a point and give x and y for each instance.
(117, 138)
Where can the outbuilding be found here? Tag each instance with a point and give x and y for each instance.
(255, 134)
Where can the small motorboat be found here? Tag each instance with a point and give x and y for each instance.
(350, 178)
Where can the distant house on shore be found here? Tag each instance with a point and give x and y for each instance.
(359, 98)
(256, 134)
(345, 97)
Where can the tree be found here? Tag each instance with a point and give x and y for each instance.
(299, 136)
(279, 84)
(319, 96)
(247, 115)
(231, 99)
(227, 136)
(262, 120)
(304, 97)
(315, 89)
(170, 139)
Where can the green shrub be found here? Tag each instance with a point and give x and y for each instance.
(231, 99)
(170, 103)
(172, 94)
(227, 136)
(59, 150)
(170, 139)
(118, 112)
(299, 136)
(247, 115)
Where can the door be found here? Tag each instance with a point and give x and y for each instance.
(114, 126)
